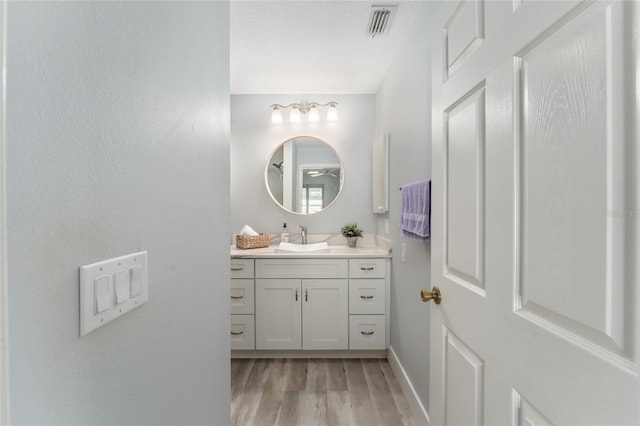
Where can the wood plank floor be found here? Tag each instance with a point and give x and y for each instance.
(310, 392)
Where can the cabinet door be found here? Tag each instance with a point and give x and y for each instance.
(278, 314)
(325, 314)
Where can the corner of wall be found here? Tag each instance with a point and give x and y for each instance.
(420, 414)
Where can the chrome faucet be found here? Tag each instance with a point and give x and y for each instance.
(303, 234)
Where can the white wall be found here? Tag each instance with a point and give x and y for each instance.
(254, 138)
(118, 122)
(403, 107)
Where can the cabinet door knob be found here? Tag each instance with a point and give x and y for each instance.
(296, 294)
(306, 294)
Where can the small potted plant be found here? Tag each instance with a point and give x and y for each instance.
(352, 233)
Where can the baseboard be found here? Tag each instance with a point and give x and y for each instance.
(309, 354)
(420, 413)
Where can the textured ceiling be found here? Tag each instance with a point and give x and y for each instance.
(312, 46)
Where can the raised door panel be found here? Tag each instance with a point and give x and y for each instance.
(572, 179)
(463, 34)
(525, 414)
(278, 314)
(464, 186)
(325, 314)
(463, 384)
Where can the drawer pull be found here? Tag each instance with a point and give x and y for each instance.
(296, 294)
(367, 333)
(367, 268)
(237, 333)
(366, 297)
(237, 297)
(237, 268)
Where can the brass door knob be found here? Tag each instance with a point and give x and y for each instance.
(434, 295)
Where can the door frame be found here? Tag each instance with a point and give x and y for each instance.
(4, 285)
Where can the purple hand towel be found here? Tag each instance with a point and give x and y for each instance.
(415, 217)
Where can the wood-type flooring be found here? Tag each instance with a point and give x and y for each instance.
(310, 392)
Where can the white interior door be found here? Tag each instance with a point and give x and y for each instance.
(535, 213)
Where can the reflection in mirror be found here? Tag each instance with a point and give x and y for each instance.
(304, 175)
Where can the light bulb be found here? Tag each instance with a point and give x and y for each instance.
(332, 113)
(276, 116)
(314, 115)
(294, 116)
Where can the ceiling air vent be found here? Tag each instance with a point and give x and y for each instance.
(380, 20)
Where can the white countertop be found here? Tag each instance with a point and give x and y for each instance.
(337, 251)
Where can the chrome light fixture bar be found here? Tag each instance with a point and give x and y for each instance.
(309, 109)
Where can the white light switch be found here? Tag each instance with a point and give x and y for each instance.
(102, 294)
(123, 292)
(136, 278)
(111, 288)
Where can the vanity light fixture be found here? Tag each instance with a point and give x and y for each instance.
(294, 115)
(314, 115)
(332, 112)
(276, 115)
(298, 109)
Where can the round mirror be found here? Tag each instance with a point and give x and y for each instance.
(304, 175)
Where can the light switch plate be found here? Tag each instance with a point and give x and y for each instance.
(102, 295)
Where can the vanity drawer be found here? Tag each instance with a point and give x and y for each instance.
(366, 332)
(367, 296)
(243, 332)
(367, 268)
(301, 268)
(241, 268)
(242, 296)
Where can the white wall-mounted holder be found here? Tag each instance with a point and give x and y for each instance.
(380, 175)
(111, 288)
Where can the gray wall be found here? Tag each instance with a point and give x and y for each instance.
(403, 106)
(118, 125)
(254, 138)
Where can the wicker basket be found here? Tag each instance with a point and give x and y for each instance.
(248, 242)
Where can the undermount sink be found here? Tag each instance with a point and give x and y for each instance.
(302, 248)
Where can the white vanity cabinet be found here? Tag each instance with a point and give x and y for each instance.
(302, 304)
(242, 304)
(309, 303)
